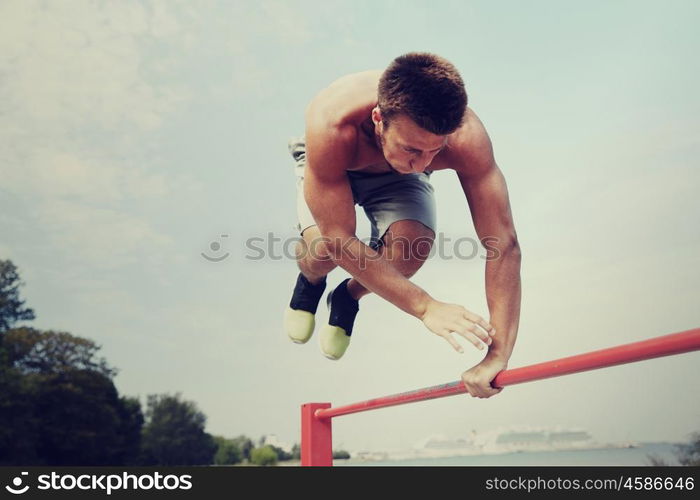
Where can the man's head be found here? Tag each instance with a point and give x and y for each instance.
(421, 100)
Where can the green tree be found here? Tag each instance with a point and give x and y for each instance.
(245, 444)
(281, 454)
(34, 351)
(12, 308)
(264, 455)
(174, 433)
(131, 417)
(79, 412)
(296, 451)
(227, 453)
(59, 405)
(18, 427)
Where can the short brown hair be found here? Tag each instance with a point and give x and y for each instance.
(425, 87)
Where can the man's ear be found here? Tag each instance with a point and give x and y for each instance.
(376, 115)
(377, 120)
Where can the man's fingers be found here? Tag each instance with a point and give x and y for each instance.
(471, 338)
(479, 390)
(483, 392)
(448, 336)
(490, 391)
(478, 320)
(474, 390)
(468, 326)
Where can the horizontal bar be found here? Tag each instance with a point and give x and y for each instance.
(667, 345)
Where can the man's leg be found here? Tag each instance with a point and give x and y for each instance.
(314, 264)
(406, 244)
(312, 259)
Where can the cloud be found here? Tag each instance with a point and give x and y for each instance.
(53, 173)
(70, 65)
(75, 73)
(98, 237)
(286, 21)
(81, 110)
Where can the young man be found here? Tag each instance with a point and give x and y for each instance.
(374, 138)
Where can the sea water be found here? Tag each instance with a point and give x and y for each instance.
(639, 455)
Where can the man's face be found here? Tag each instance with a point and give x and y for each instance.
(408, 148)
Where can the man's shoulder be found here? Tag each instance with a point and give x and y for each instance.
(470, 151)
(331, 143)
(345, 101)
(334, 117)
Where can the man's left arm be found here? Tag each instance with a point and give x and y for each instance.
(487, 195)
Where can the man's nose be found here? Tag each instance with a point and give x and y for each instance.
(421, 163)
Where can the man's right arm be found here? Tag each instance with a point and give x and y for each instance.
(329, 151)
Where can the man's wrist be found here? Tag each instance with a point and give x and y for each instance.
(419, 306)
(495, 356)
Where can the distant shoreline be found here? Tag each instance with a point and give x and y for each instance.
(614, 456)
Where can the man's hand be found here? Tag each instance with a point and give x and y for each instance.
(478, 379)
(445, 319)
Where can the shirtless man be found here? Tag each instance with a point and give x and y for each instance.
(374, 138)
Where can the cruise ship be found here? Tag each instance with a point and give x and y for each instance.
(512, 439)
(525, 438)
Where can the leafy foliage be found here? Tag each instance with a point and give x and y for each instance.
(245, 444)
(228, 452)
(174, 433)
(59, 406)
(34, 351)
(281, 454)
(12, 308)
(265, 455)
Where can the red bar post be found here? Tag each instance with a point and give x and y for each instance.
(316, 436)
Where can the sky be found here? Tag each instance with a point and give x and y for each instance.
(137, 136)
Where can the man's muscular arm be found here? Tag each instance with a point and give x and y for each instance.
(329, 151)
(487, 195)
(329, 196)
